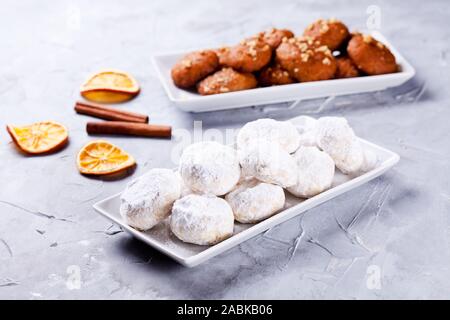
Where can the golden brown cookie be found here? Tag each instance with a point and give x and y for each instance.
(226, 80)
(248, 56)
(193, 67)
(273, 37)
(274, 75)
(346, 68)
(331, 33)
(370, 55)
(306, 59)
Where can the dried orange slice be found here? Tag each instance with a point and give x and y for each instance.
(110, 86)
(101, 157)
(39, 137)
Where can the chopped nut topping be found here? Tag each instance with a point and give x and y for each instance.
(367, 38)
(251, 43)
(326, 61)
(187, 63)
(322, 49)
(323, 26)
(304, 57)
(303, 46)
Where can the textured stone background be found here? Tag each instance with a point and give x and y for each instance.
(396, 227)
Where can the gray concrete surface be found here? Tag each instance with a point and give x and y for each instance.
(385, 240)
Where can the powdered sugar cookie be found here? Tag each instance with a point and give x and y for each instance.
(209, 167)
(268, 162)
(335, 137)
(315, 172)
(147, 200)
(253, 201)
(307, 129)
(202, 219)
(281, 132)
(370, 161)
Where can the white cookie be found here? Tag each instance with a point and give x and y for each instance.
(202, 219)
(209, 167)
(335, 137)
(315, 172)
(253, 201)
(370, 161)
(283, 133)
(147, 200)
(268, 162)
(307, 129)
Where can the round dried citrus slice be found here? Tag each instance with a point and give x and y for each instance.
(101, 157)
(110, 86)
(39, 137)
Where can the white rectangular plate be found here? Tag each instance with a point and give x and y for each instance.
(191, 255)
(194, 102)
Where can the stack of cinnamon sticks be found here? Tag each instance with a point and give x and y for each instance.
(120, 122)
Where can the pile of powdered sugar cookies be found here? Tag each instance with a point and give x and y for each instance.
(216, 185)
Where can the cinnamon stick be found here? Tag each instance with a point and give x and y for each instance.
(129, 128)
(108, 113)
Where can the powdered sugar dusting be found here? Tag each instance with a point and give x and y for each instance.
(202, 219)
(268, 162)
(209, 167)
(253, 201)
(315, 172)
(283, 133)
(335, 137)
(147, 200)
(307, 129)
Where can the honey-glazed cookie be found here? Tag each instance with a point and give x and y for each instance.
(306, 59)
(248, 56)
(226, 80)
(370, 55)
(331, 33)
(193, 67)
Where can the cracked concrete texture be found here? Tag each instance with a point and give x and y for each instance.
(387, 239)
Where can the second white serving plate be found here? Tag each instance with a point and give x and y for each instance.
(161, 238)
(191, 101)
